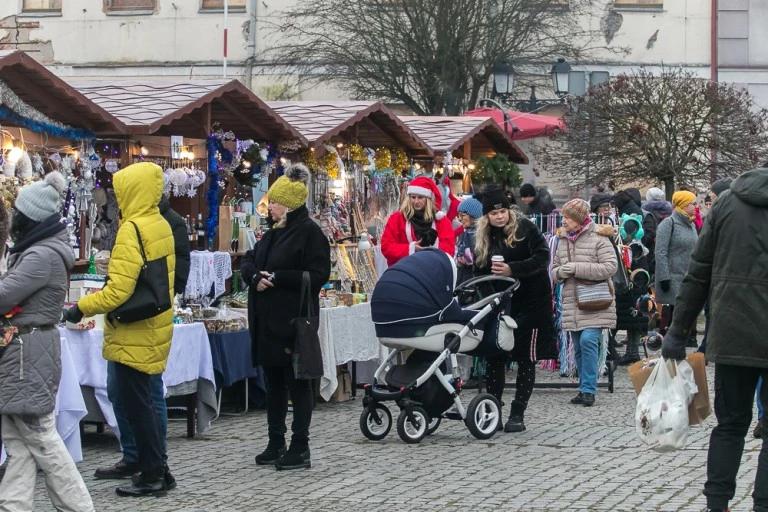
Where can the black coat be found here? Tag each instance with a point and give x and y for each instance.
(730, 266)
(288, 252)
(531, 305)
(627, 317)
(180, 243)
(540, 205)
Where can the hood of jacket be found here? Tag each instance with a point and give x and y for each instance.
(600, 229)
(635, 195)
(752, 187)
(662, 207)
(136, 194)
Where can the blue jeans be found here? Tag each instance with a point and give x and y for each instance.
(127, 439)
(759, 402)
(586, 344)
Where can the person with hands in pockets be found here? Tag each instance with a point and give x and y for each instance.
(730, 266)
(274, 271)
(418, 224)
(584, 252)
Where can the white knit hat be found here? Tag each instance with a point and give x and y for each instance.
(655, 194)
(41, 199)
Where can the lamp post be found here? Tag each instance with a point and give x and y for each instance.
(504, 84)
(560, 77)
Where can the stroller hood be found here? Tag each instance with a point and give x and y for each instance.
(416, 289)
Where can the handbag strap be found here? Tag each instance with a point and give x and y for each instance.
(141, 245)
(305, 295)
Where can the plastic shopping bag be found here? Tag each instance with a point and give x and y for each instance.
(661, 416)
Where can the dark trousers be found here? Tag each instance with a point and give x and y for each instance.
(136, 395)
(495, 368)
(734, 391)
(281, 381)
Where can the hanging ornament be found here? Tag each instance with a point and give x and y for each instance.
(309, 159)
(400, 160)
(329, 165)
(383, 159)
(111, 166)
(357, 154)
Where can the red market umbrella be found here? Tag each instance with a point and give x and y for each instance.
(528, 126)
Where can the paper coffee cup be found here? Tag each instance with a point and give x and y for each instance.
(497, 259)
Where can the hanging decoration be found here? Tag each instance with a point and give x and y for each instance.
(383, 159)
(329, 165)
(309, 159)
(216, 153)
(14, 111)
(400, 161)
(357, 155)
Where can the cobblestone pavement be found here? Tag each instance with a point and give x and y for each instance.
(570, 458)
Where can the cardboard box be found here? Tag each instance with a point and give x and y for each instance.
(700, 408)
(343, 392)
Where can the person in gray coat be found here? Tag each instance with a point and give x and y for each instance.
(676, 238)
(30, 366)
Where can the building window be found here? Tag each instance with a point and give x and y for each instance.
(218, 5)
(642, 4)
(130, 5)
(41, 6)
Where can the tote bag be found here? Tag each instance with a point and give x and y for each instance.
(307, 357)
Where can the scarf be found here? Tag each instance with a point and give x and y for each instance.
(34, 232)
(423, 229)
(573, 235)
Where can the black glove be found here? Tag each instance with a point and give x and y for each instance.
(429, 239)
(673, 347)
(665, 285)
(73, 315)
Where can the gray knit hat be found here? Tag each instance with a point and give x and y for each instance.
(41, 199)
(721, 185)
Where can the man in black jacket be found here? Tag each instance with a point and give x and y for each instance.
(180, 242)
(730, 264)
(536, 202)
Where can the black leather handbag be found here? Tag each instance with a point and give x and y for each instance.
(152, 294)
(307, 356)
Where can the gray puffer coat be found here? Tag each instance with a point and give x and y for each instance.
(37, 281)
(675, 240)
(595, 260)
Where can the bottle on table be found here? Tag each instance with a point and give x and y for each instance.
(200, 228)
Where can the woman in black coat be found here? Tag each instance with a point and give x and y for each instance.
(505, 232)
(273, 269)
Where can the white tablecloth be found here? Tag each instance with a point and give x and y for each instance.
(188, 362)
(346, 334)
(70, 406)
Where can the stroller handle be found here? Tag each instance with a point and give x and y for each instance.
(514, 283)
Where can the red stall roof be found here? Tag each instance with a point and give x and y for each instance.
(529, 126)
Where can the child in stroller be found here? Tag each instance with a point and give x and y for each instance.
(414, 307)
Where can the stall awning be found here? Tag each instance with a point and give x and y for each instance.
(35, 85)
(189, 108)
(370, 124)
(530, 125)
(451, 134)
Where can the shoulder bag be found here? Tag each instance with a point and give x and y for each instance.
(592, 295)
(307, 356)
(152, 294)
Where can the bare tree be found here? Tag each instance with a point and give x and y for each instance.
(673, 128)
(435, 56)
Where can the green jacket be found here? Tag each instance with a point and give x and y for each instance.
(730, 264)
(142, 345)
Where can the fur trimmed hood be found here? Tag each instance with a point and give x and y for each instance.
(600, 229)
(662, 207)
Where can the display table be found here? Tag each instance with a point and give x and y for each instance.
(346, 334)
(70, 407)
(231, 354)
(189, 369)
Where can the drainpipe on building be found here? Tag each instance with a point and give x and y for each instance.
(251, 43)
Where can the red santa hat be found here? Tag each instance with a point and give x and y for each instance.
(423, 186)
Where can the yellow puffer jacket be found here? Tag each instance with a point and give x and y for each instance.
(142, 345)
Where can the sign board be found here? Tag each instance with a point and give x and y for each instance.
(177, 146)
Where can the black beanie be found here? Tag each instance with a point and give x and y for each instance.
(721, 185)
(528, 190)
(599, 199)
(493, 198)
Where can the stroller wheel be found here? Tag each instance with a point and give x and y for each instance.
(376, 422)
(412, 431)
(483, 416)
(433, 424)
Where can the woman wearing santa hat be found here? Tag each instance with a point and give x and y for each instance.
(418, 225)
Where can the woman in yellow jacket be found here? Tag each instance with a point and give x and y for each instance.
(139, 349)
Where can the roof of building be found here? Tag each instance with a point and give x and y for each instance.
(189, 108)
(371, 124)
(52, 96)
(449, 134)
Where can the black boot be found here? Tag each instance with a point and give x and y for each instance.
(118, 470)
(149, 483)
(297, 457)
(275, 449)
(516, 415)
(628, 359)
(588, 400)
(170, 482)
(578, 399)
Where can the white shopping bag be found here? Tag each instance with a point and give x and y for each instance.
(661, 416)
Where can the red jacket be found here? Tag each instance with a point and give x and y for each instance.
(397, 242)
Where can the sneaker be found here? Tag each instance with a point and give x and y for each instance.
(294, 458)
(758, 433)
(271, 453)
(588, 400)
(119, 470)
(141, 487)
(578, 399)
(170, 482)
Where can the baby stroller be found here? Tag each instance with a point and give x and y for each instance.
(414, 307)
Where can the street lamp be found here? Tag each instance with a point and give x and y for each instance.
(560, 71)
(503, 79)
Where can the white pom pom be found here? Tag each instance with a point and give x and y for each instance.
(57, 181)
(440, 215)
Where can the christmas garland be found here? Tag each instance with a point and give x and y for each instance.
(216, 152)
